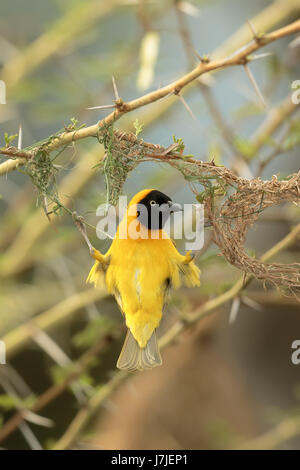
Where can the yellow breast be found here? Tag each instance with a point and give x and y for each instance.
(138, 274)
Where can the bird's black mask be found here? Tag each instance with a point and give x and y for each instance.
(154, 209)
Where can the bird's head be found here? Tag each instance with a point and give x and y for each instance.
(153, 208)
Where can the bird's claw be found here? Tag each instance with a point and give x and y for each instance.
(189, 256)
(92, 251)
(78, 219)
(79, 222)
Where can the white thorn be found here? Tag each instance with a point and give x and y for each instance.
(255, 86)
(104, 106)
(252, 29)
(234, 310)
(20, 137)
(252, 303)
(260, 56)
(37, 419)
(117, 97)
(187, 107)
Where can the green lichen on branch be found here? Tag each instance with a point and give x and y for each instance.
(121, 157)
(42, 172)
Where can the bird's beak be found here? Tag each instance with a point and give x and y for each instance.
(174, 207)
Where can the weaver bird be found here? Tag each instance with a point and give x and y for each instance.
(140, 267)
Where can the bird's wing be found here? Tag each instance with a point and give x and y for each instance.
(97, 273)
(184, 270)
(190, 274)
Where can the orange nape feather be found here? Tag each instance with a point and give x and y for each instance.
(139, 272)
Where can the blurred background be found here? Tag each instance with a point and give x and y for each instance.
(228, 378)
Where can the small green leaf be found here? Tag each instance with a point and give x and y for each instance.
(180, 143)
(9, 138)
(138, 127)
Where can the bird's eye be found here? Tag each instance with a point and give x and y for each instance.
(152, 203)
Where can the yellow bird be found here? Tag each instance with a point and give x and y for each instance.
(140, 267)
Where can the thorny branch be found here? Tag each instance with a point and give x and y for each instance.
(240, 57)
(230, 217)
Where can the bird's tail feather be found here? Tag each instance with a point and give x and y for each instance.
(133, 357)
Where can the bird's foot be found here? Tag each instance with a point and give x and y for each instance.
(79, 222)
(189, 256)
